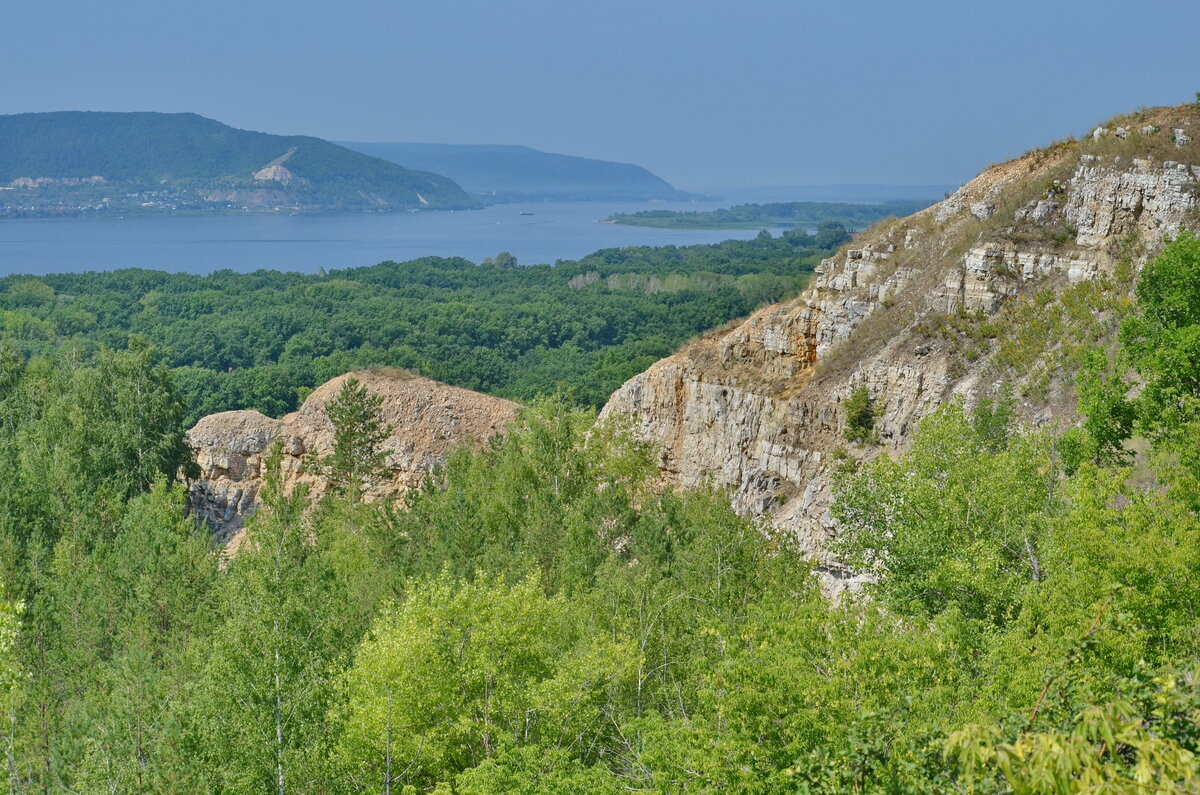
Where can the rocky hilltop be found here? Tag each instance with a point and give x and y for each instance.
(428, 420)
(997, 284)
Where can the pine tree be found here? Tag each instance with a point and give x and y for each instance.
(358, 459)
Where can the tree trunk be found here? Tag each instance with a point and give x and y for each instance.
(387, 765)
(278, 718)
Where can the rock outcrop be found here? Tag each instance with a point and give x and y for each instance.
(428, 420)
(758, 408)
(278, 174)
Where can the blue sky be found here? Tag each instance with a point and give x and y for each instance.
(706, 94)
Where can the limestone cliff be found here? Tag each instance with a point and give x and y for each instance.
(917, 310)
(428, 420)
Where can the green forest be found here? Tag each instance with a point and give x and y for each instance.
(803, 215)
(264, 340)
(543, 616)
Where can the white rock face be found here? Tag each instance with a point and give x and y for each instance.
(275, 174)
(229, 448)
(983, 210)
(992, 274)
(1147, 199)
(758, 409)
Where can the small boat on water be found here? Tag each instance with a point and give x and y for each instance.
(526, 213)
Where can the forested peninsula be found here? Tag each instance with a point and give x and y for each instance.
(800, 215)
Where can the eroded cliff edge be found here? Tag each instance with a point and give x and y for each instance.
(917, 310)
(428, 421)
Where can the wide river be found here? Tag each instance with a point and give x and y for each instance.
(535, 233)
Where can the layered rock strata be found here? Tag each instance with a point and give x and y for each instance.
(758, 409)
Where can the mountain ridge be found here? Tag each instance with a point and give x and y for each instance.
(170, 161)
(507, 172)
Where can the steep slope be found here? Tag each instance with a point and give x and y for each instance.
(518, 173)
(428, 420)
(1000, 283)
(202, 161)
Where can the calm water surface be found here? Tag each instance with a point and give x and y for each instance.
(202, 244)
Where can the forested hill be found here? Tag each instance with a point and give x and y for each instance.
(518, 173)
(192, 162)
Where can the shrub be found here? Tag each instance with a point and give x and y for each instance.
(860, 417)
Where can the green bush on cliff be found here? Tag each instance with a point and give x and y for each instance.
(860, 416)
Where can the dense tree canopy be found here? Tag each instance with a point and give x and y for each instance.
(1163, 339)
(264, 340)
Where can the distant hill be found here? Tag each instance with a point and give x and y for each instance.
(88, 160)
(518, 173)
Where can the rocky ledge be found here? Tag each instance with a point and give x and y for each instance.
(428, 421)
(758, 409)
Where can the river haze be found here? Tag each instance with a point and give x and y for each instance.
(535, 233)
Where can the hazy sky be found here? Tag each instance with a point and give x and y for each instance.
(705, 94)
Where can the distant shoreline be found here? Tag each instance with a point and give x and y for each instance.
(199, 213)
(656, 223)
(785, 215)
(203, 242)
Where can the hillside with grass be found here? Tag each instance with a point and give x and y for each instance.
(178, 161)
